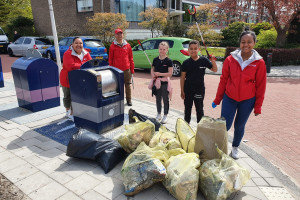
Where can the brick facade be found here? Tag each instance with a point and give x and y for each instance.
(68, 20)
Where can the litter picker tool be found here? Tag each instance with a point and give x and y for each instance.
(132, 81)
(145, 52)
(194, 17)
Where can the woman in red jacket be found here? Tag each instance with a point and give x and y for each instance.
(242, 87)
(73, 58)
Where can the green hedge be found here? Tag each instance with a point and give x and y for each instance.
(279, 56)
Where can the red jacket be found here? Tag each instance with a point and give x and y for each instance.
(121, 57)
(244, 84)
(71, 62)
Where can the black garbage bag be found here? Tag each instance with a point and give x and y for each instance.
(87, 145)
(143, 118)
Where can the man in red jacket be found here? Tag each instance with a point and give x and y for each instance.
(120, 56)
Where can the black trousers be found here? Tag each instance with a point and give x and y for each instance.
(162, 93)
(196, 98)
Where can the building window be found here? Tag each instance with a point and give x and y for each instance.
(132, 8)
(84, 5)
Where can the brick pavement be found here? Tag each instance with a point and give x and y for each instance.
(274, 134)
(50, 172)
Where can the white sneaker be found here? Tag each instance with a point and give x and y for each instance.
(71, 117)
(164, 119)
(158, 117)
(68, 113)
(235, 153)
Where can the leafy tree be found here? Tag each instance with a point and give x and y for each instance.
(11, 9)
(294, 31)
(280, 12)
(266, 38)
(210, 37)
(174, 28)
(155, 19)
(232, 34)
(104, 24)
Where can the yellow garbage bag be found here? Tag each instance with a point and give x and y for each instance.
(175, 152)
(210, 132)
(136, 133)
(219, 178)
(165, 138)
(143, 168)
(186, 135)
(183, 176)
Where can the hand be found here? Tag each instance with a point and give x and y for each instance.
(212, 58)
(156, 74)
(182, 95)
(213, 105)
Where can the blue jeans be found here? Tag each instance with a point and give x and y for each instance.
(241, 110)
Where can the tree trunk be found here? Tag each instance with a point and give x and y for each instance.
(281, 37)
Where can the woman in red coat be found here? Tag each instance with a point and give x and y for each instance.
(74, 57)
(242, 87)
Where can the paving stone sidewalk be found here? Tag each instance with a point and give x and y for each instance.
(41, 169)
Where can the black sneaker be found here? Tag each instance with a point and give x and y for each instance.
(129, 103)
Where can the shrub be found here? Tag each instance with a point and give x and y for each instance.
(232, 34)
(23, 25)
(211, 37)
(261, 26)
(175, 29)
(266, 39)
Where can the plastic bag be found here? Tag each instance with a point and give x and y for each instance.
(210, 132)
(186, 135)
(219, 178)
(183, 176)
(165, 138)
(143, 168)
(87, 145)
(132, 113)
(135, 134)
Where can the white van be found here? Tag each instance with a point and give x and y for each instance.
(3, 41)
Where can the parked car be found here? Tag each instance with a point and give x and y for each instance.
(3, 41)
(21, 45)
(94, 46)
(178, 52)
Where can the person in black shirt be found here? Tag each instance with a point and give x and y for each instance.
(192, 80)
(161, 71)
(16, 36)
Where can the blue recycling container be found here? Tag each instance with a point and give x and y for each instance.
(37, 83)
(1, 75)
(97, 95)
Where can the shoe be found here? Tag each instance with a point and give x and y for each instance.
(68, 113)
(164, 119)
(71, 117)
(129, 103)
(235, 153)
(158, 117)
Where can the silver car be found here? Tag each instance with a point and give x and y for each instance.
(21, 45)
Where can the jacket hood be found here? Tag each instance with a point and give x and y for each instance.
(84, 52)
(237, 56)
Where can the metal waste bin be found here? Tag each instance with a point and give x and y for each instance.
(97, 95)
(1, 75)
(36, 82)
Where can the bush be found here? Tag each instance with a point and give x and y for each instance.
(279, 56)
(232, 34)
(261, 26)
(23, 25)
(266, 39)
(175, 29)
(211, 37)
